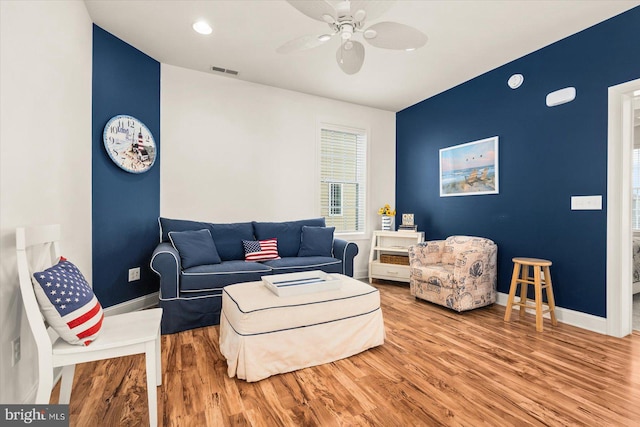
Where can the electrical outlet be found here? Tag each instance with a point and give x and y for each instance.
(15, 351)
(134, 274)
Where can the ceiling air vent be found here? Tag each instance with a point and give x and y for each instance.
(224, 70)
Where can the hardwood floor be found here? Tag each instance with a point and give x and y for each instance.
(437, 367)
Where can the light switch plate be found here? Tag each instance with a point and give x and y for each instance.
(586, 203)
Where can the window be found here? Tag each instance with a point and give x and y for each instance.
(343, 178)
(335, 199)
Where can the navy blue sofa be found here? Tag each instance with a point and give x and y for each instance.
(192, 297)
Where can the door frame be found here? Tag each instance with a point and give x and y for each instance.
(619, 228)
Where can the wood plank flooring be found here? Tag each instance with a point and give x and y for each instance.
(437, 367)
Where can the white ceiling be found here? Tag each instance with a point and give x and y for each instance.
(466, 39)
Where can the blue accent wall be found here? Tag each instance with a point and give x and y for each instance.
(125, 206)
(546, 155)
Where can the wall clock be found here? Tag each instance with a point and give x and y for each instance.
(130, 144)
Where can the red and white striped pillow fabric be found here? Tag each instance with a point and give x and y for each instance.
(260, 250)
(68, 303)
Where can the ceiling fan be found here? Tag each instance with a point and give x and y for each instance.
(347, 19)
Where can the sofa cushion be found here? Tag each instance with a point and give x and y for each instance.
(316, 241)
(260, 250)
(167, 225)
(195, 247)
(216, 276)
(288, 233)
(229, 237)
(298, 264)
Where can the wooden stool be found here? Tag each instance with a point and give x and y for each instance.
(521, 275)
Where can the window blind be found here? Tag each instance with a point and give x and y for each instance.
(343, 178)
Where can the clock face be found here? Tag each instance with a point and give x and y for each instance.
(407, 219)
(129, 143)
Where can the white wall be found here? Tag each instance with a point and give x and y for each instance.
(236, 151)
(45, 154)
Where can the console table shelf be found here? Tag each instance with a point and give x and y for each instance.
(393, 243)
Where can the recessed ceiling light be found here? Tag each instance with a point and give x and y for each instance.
(515, 81)
(202, 27)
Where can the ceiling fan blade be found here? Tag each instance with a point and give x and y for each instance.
(314, 9)
(301, 43)
(373, 9)
(392, 35)
(350, 60)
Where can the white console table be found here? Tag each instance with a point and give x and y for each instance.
(391, 243)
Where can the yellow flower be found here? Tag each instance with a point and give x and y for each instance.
(386, 210)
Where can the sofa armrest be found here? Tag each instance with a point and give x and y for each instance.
(346, 252)
(426, 253)
(165, 261)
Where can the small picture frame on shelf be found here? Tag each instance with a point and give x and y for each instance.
(407, 223)
(407, 219)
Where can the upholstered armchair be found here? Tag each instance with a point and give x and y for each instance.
(459, 273)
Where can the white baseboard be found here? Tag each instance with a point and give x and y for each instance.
(361, 274)
(570, 317)
(140, 303)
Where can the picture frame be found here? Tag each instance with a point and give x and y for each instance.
(407, 219)
(470, 169)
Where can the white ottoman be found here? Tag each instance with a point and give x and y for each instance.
(262, 334)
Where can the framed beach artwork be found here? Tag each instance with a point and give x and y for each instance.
(469, 169)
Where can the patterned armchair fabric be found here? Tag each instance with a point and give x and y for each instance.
(459, 272)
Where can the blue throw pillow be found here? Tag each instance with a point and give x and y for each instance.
(195, 247)
(288, 233)
(316, 241)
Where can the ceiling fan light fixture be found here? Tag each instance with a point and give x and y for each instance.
(370, 34)
(359, 15)
(201, 27)
(346, 31)
(328, 18)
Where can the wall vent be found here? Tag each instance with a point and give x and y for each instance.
(224, 70)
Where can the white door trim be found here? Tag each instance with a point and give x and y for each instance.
(619, 231)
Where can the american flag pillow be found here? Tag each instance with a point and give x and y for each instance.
(260, 250)
(68, 303)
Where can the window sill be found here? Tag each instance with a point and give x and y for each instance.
(352, 236)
